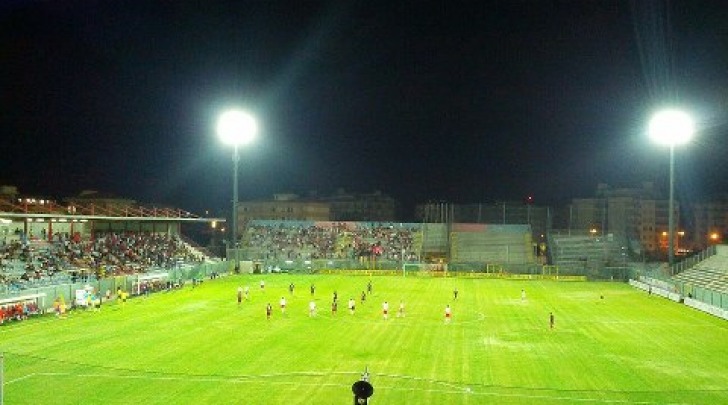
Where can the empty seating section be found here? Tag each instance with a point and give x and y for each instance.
(584, 253)
(711, 273)
(433, 239)
(498, 244)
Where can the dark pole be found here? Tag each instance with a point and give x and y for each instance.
(236, 159)
(671, 213)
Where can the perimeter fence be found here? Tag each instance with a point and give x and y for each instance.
(178, 274)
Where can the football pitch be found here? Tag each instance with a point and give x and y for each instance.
(610, 344)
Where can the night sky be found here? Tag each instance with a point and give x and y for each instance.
(456, 101)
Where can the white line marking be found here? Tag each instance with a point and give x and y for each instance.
(19, 379)
(248, 379)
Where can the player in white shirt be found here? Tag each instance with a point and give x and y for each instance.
(448, 313)
(352, 305)
(283, 305)
(312, 308)
(385, 310)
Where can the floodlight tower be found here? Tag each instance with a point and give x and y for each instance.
(236, 128)
(671, 128)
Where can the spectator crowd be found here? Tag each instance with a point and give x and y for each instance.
(345, 240)
(70, 257)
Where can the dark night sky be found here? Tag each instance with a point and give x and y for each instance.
(458, 101)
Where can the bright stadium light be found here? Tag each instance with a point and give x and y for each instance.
(671, 127)
(236, 128)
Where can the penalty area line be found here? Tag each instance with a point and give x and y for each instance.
(20, 379)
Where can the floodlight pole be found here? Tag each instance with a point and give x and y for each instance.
(236, 128)
(671, 127)
(671, 212)
(236, 160)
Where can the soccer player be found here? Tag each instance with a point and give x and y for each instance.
(352, 306)
(313, 289)
(240, 295)
(57, 306)
(268, 311)
(334, 307)
(247, 293)
(283, 305)
(312, 308)
(551, 320)
(290, 288)
(523, 295)
(262, 285)
(336, 296)
(448, 313)
(62, 308)
(369, 287)
(455, 293)
(400, 313)
(385, 310)
(363, 297)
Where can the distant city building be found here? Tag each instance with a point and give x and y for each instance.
(710, 222)
(375, 207)
(8, 193)
(639, 214)
(340, 206)
(283, 207)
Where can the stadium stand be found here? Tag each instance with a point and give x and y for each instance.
(39, 263)
(291, 245)
(711, 273)
(500, 244)
(585, 253)
(308, 240)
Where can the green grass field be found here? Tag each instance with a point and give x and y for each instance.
(199, 347)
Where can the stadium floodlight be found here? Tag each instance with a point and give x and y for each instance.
(671, 127)
(236, 128)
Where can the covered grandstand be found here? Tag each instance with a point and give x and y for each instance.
(46, 245)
